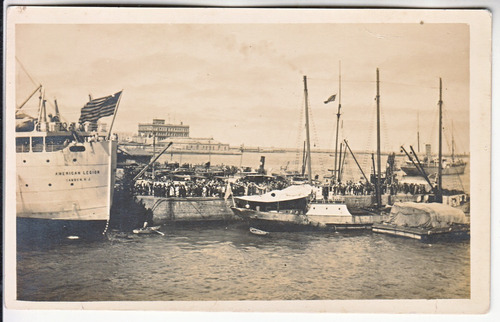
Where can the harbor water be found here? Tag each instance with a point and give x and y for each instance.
(226, 262)
(229, 263)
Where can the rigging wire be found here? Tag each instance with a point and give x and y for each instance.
(385, 130)
(416, 85)
(435, 125)
(316, 139)
(344, 80)
(300, 134)
(26, 72)
(366, 161)
(445, 116)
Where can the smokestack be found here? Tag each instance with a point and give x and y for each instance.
(262, 163)
(428, 152)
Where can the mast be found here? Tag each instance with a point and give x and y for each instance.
(57, 110)
(304, 160)
(40, 106)
(308, 140)
(340, 163)
(374, 169)
(378, 192)
(154, 155)
(241, 157)
(440, 156)
(114, 114)
(336, 175)
(418, 133)
(452, 144)
(44, 111)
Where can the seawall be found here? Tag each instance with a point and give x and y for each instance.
(192, 209)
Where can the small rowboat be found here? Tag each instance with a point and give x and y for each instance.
(148, 230)
(259, 232)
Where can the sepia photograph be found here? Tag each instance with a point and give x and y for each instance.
(248, 159)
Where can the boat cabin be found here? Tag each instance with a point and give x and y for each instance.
(299, 205)
(52, 136)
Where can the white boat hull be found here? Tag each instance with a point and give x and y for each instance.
(66, 185)
(319, 216)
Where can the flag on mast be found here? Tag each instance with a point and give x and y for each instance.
(331, 99)
(99, 107)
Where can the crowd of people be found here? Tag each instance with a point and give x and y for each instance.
(206, 187)
(214, 183)
(203, 187)
(188, 188)
(360, 188)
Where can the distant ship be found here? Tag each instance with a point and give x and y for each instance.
(431, 165)
(65, 172)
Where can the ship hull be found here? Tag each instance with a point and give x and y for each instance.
(66, 188)
(331, 217)
(412, 171)
(31, 231)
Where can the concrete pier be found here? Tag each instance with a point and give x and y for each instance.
(192, 209)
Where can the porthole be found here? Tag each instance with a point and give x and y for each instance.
(48, 160)
(24, 161)
(72, 184)
(50, 184)
(26, 185)
(74, 160)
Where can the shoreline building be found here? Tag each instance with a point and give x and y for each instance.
(152, 136)
(198, 145)
(162, 130)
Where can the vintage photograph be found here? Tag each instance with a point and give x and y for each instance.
(178, 155)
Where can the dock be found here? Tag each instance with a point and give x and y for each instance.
(189, 209)
(423, 234)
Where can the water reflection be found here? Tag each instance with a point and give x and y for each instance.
(230, 263)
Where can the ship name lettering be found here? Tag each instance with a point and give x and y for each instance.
(77, 179)
(76, 173)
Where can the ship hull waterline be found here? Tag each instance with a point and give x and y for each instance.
(69, 191)
(295, 221)
(412, 171)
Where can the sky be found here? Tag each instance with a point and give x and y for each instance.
(243, 83)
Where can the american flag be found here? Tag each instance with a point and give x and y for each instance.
(99, 107)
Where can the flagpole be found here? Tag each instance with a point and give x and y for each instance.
(114, 114)
(335, 174)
